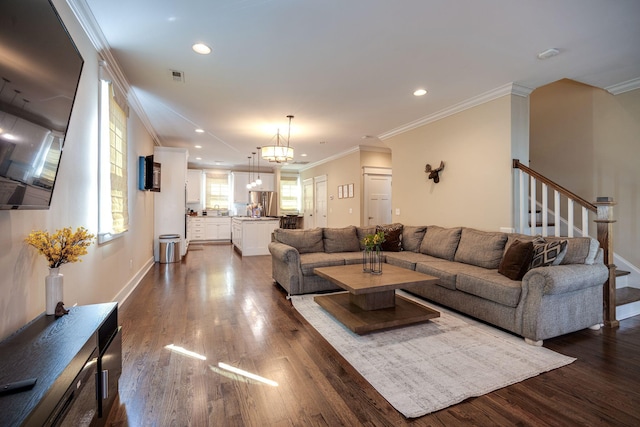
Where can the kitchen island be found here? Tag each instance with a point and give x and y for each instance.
(251, 236)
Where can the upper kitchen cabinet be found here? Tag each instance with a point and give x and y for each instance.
(194, 186)
(240, 192)
(268, 183)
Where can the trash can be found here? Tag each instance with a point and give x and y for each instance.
(169, 247)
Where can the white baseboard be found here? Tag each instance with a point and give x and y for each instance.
(134, 282)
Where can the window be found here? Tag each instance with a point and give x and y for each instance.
(113, 218)
(289, 193)
(217, 191)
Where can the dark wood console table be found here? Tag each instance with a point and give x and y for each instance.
(77, 362)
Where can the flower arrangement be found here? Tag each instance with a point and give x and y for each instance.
(373, 241)
(63, 246)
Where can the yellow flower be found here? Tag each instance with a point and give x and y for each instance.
(373, 241)
(63, 246)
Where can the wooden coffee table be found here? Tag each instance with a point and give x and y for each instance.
(371, 303)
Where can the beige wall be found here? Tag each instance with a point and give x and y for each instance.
(598, 135)
(475, 187)
(346, 170)
(105, 272)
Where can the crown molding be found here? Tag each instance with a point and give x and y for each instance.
(91, 28)
(623, 87)
(355, 149)
(499, 92)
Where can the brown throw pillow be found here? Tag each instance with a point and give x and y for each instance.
(392, 237)
(516, 260)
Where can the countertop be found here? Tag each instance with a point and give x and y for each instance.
(248, 218)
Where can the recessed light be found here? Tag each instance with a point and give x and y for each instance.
(198, 158)
(198, 146)
(420, 92)
(200, 130)
(303, 155)
(201, 48)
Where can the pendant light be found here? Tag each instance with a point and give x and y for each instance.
(279, 153)
(249, 184)
(253, 159)
(258, 181)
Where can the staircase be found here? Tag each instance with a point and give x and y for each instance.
(558, 217)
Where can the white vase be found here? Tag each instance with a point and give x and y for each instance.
(53, 289)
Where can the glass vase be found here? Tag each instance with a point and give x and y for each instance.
(53, 285)
(375, 261)
(366, 267)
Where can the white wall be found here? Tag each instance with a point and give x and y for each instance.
(108, 271)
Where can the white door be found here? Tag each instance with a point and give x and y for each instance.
(378, 199)
(320, 201)
(307, 202)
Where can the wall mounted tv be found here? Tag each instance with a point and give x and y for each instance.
(40, 68)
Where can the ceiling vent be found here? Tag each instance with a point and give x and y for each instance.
(177, 76)
(298, 163)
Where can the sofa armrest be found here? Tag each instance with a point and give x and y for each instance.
(562, 279)
(284, 253)
(285, 267)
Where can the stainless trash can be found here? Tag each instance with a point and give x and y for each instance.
(169, 247)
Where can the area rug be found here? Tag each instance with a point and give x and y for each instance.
(423, 368)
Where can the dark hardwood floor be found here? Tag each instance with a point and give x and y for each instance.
(227, 309)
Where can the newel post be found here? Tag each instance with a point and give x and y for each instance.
(605, 237)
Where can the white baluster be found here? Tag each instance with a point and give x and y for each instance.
(532, 207)
(585, 222)
(523, 198)
(570, 217)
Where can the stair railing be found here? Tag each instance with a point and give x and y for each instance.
(527, 205)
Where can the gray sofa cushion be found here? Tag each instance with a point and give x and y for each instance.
(363, 231)
(405, 259)
(446, 271)
(490, 285)
(309, 261)
(441, 242)
(481, 248)
(341, 239)
(412, 237)
(305, 241)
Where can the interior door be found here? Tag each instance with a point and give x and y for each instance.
(378, 199)
(320, 201)
(307, 202)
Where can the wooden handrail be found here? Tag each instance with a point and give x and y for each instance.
(604, 233)
(557, 187)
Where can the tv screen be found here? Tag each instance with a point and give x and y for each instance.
(40, 68)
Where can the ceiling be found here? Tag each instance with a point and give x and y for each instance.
(347, 70)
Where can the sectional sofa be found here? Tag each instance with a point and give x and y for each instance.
(534, 287)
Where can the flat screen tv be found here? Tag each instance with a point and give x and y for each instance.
(40, 68)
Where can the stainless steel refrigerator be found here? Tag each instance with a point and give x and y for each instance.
(267, 199)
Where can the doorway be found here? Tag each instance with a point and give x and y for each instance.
(377, 194)
(320, 201)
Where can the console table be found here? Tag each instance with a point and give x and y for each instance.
(77, 362)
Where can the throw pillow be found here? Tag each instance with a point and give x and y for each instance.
(341, 240)
(516, 260)
(392, 237)
(548, 253)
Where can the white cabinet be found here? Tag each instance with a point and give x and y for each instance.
(195, 229)
(240, 191)
(217, 228)
(268, 182)
(194, 186)
(252, 236)
(208, 228)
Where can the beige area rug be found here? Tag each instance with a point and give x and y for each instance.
(424, 368)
